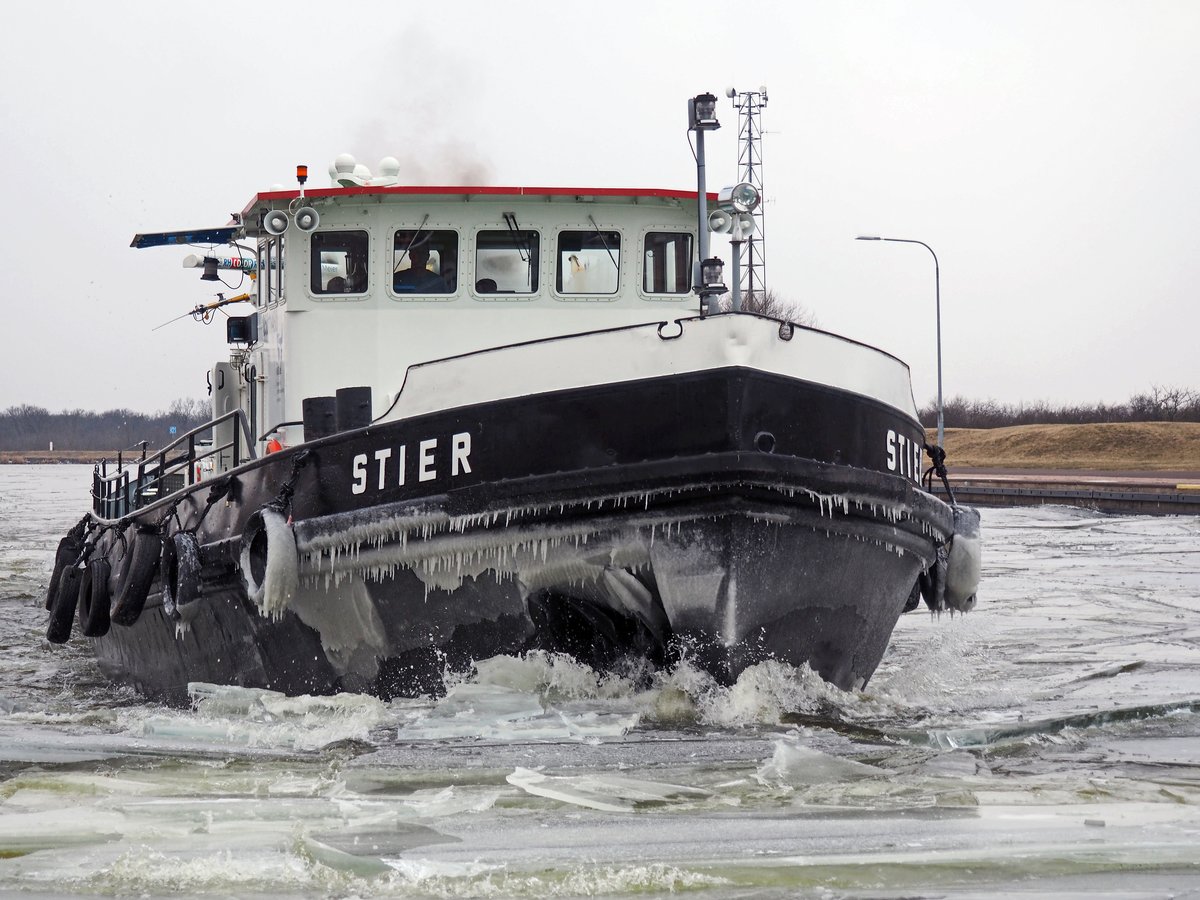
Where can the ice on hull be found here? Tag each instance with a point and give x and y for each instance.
(388, 603)
(807, 592)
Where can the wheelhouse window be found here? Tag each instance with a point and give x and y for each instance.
(506, 262)
(667, 265)
(270, 270)
(589, 262)
(425, 262)
(339, 262)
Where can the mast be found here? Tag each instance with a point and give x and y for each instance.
(752, 259)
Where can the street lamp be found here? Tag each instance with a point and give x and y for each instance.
(937, 282)
(702, 117)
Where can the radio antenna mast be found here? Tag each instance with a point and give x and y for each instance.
(752, 257)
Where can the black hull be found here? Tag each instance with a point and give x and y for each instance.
(728, 516)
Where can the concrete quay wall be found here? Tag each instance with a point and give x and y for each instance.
(1130, 493)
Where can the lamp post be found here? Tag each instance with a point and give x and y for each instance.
(937, 282)
(702, 117)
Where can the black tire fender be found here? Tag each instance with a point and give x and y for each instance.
(66, 554)
(62, 613)
(933, 582)
(140, 567)
(187, 568)
(95, 598)
(270, 562)
(179, 569)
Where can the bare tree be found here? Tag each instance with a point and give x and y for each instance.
(769, 303)
(188, 409)
(1160, 404)
(32, 428)
(1168, 402)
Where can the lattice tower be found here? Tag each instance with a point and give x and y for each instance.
(753, 257)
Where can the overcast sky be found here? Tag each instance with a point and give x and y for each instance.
(1049, 152)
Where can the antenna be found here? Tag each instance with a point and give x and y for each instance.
(752, 257)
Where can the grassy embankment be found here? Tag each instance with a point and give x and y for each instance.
(1116, 446)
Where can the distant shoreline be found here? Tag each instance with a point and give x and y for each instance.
(44, 457)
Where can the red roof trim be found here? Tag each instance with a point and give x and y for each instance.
(460, 190)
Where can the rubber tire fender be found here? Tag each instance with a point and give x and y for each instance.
(270, 562)
(186, 587)
(62, 613)
(167, 575)
(66, 554)
(95, 598)
(141, 565)
(182, 581)
(933, 581)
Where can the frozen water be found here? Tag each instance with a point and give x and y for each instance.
(1047, 744)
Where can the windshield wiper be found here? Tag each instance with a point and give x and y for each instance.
(412, 240)
(510, 220)
(600, 234)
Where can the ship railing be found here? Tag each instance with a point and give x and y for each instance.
(130, 486)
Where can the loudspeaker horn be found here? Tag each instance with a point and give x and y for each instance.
(720, 221)
(307, 218)
(275, 222)
(744, 222)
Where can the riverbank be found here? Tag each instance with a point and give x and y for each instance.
(42, 457)
(1149, 468)
(1110, 447)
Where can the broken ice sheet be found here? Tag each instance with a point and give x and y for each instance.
(434, 803)
(607, 793)
(501, 713)
(794, 764)
(258, 718)
(26, 832)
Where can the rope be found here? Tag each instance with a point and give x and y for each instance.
(80, 532)
(120, 528)
(282, 502)
(218, 491)
(88, 534)
(80, 528)
(172, 510)
(937, 456)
